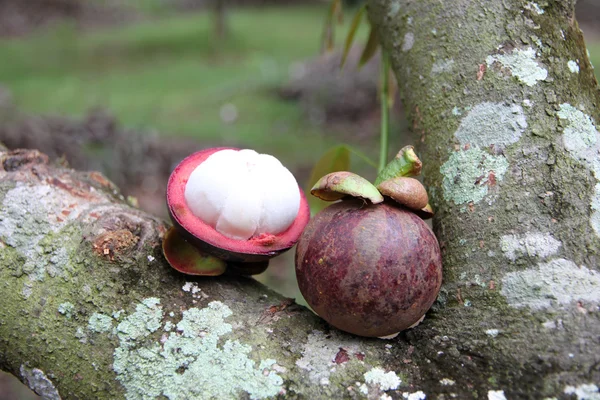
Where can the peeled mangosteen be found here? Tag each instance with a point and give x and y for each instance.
(236, 205)
(371, 268)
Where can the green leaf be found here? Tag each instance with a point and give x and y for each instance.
(337, 185)
(362, 156)
(335, 159)
(370, 48)
(335, 12)
(406, 163)
(352, 33)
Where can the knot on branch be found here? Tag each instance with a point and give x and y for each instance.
(119, 232)
(21, 158)
(114, 243)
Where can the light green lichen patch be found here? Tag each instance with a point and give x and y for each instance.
(522, 64)
(394, 8)
(100, 323)
(584, 392)
(573, 66)
(492, 124)
(194, 362)
(168, 326)
(146, 319)
(408, 42)
(29, 224)
(531, 244)
(492, 332)
(442, 66)
(418, 395)
(468, 175)
(319, 353)
(595, 204)
(66, 309)
(581, 139)
(531, 6)
(496, 395)
(551, 286)
(81, 335)
(580, 134)
(385, 380)
(37, 381)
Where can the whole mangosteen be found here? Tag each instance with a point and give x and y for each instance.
(369, 265)
(237, 206)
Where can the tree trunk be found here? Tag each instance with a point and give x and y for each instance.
(220, 19)
(504, 98)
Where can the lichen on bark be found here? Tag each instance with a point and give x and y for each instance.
(98, 259)
(100, 314)
(513, 57)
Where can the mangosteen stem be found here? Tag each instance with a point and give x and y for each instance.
(385, 108)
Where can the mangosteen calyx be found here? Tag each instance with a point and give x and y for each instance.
(337, 185)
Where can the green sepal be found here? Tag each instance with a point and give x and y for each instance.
(406, 163)
(337, 185)
(187, 259)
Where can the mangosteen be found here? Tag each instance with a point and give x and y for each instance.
(372, 268)
(237, 206)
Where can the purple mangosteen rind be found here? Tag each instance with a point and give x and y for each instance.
(367, 266)
(371, 270)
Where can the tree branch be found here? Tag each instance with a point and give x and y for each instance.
(90, 309)
(505, 100)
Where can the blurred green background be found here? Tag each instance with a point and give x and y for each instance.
(162, 82)
(131, 87)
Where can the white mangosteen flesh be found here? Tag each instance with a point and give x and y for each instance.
(243, 194)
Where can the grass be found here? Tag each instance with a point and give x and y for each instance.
(170, 74)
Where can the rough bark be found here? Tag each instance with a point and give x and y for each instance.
(89, 308)
(505, 100)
